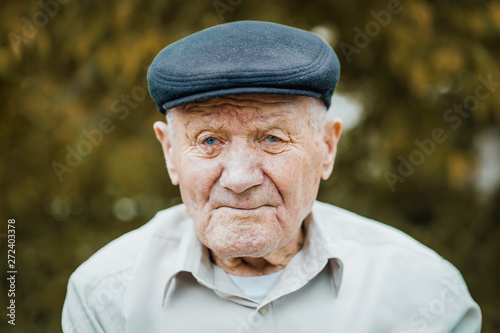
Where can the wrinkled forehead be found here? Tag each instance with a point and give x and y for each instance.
(264, 101)
(247, 106)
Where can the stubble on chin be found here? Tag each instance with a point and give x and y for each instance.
(240, 233)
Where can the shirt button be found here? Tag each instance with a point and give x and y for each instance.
(263, 311)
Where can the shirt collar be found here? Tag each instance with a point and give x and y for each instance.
(319, 249)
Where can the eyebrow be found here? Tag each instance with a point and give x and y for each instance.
(257, 125)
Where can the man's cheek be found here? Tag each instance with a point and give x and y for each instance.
(199, 176)
(293, 168)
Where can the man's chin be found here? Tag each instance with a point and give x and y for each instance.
(244, 245)
(234, 233)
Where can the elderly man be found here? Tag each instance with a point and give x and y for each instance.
(250, 250)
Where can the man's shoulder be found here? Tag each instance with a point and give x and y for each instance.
(369, 234)
(391, 266)
(121, 254)
(97, 289)
(362, 242)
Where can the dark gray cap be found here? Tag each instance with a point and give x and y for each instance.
(245, 57)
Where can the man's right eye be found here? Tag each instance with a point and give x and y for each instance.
(211, 141)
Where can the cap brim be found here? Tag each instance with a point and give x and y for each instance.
(239, 91)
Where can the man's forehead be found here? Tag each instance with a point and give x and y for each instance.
(269, 109)
(258, 112)
(262, 102)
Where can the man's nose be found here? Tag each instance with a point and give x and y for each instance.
(242, 169)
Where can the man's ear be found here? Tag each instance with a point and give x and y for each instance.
(163, 136)
(333, 129)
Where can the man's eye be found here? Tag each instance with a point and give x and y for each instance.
(211, 141)
(272, 139)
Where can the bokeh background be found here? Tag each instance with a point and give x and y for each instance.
(80, 164)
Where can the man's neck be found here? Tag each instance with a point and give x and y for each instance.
(274, 262)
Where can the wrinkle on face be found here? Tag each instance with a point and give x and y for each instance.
(249, 199)
(250, 119)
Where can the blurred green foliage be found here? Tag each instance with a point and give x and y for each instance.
(65, 66)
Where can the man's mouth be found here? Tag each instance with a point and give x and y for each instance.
(243, 207)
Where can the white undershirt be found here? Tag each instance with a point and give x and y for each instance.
(256, 287)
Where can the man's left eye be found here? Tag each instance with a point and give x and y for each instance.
(211, 141)
(272, 139)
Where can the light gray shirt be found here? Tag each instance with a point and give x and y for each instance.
(352, 275)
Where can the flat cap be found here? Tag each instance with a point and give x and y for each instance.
(245, 57)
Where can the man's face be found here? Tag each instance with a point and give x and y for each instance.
(248, 168)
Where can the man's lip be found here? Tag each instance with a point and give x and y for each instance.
(243, 207)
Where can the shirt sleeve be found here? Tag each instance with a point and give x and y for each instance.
(90, 306)
(464, 315)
